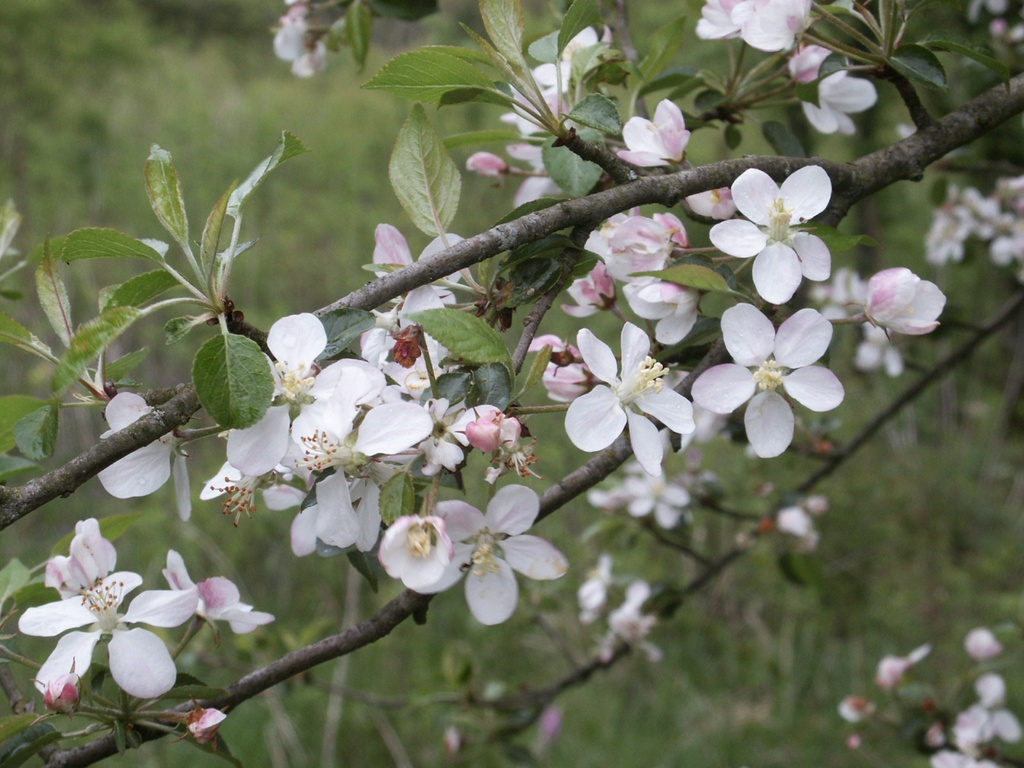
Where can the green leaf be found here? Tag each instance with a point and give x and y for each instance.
(13, 577)
(141, 289)
(36, 433)
(733, 136)
(841, 241)
(410, 10)
(105, 243)
(808, 92)
(288, 147)
(453, 385)
(53, 296)
(683, 79)
(26, 737)
(503, 20)
(466, 337)
(116, 370)
(427, 74)
(665, 43)
(692, 276)
(540, 364)
(113, 527)
(981, 55)
(476, 138)
(87, 344)
(478, 95)
(783, 140)
(344, 326)
(11, 466)
(12, 409)
(360, 24)
(801, 569)
(531, 279)
(598, 112)
(210, 246)
(425, 180)
(233, 380)
(365, 563)
(581, 14)
(176, 328)
(10, 220)
(397, 498)
(918, 64)
(164, 189)
(569, 171)
(492, 385)
(545, 49)
(13, 332)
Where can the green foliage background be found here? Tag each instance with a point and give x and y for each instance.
(922, 542)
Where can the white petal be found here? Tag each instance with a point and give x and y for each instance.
(336, 520)
(512, 510)
(635, 347)
(392, 428)
(125, 408)
(141, 664)
(303, 532)
(738, 238)
(598, 356)
(492, 597)
(163, 607)
(53, 618)
(754, 193)
(807, 192)
(802, 339)
(815, 259)
(777, 273)
(769, 422)
(815, 387)
(139, 473)
(461, 519)
(671, 409)
(258, 449)
(534, 557)
(296, 341)
(646, 443)
(723, 388)
(595, 419)
(72, 654)
(749, 335)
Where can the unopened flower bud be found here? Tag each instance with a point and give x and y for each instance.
(62, 694)
(486, 164)
(204, 723)
(981, 644)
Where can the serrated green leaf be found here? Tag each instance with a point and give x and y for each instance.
(453, 385)
(545, 49)
(366, 564)
(980, 55)
(288, 146)
(504, 22)
(89, 341)
(597, 111)
(210, 245)
(427, 74)
(105, 243)
(397, 498)
(344, 326)
(531, 279)
(581, 14)
(466, 337)
(176, 328)
(164, 189)
(359, 25)
(664, 45)
(918, 64)
(425, 179)
(141, 289)
(13, 408)
(477, 95)
(476, 138)
(13, 577)
(692, 276)
(116, 370)
(783, 140)
(36, 433)
(233, 380)
(53, 296)
(11, 466)
(569, 171)
(492, 385)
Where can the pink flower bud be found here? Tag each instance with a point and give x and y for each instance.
(550, 725)
(486, 164)
(204, 723)
(714, 204)
(900, 301)
(453, 740)
(484, 435)
(981, 644)
(62, 695)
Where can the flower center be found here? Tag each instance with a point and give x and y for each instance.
(294, 386)
(768, 376)
(779, 217)
(103, 600)
(321, 451)
(647, 380)
(240, 493)
(485, 555)
(421, 540)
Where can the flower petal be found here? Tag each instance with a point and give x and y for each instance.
(512, 510)
(723, 388)
(777, 273)
(802, 339)
(598, 356)
(738, 238)
(635, 347)
(141, 664)
(749, 335)
(534, 557)
(296, 341)
(671, 409)
(392, 428)
(53, 618)
(815, 259)
(814, 387)
(769, 422)
(807, 192)
(163, 607)
(646, 443)
(595, 419)
(72, 654)
(258, 449)
(492, 597)
(139, 473)
(461, 520)
(754, 193)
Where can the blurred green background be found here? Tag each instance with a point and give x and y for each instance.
(922, 542)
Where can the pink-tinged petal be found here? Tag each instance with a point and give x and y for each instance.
(512, 510)
(392, 428)
(218, 594)
(671, 409)
(802, 339)
(635, 347)
(139, 473)
(807, 192)
(815, 259)
(125, 408)
(391, 246)
(461, 520)
(769, 422)
(754, 193)
(738, 238)
(642, 159)
(53, 618)
(258, 449)
(72, 654)
(141, 664)
(723, 388)
(534, 557)
(176, 573)
(492, 597)
(296, 341)
(646, 443)
(243, 619)
(595, 419)
(336, 520)
(303, 532)
(777, 273)
(749, 335)
(814, 387)
(598, 356)
(163, 607)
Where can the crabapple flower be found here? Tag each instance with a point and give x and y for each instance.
(629, 244)
(91, 558)
(204, 723)
(218, 598)
(139, 661)
(291, 44)
(673, 306)
(772, 25)
(714, 204)
(417, 550)
(143, 471)
(594, 420)
(767, 361)
(901, 302)
(658, 142)
(876, 352)
(839, 94)
(489, 547)
(592, 293)
(641, 494)
(783, 254)
(592, 595)
(982, 645)
(630, 624)
(949, 759)
(62, 694)
(891, 669)
(565, 378)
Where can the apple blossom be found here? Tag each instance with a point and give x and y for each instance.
(487, 164)
(218, 598)
(853, 709)
(839, 94)
(901, 302)
(891, 669)
(772, 25)
(565, 378)
(417, 550)
(641, 494)
(62, 694)
(628, 623)
(656, 142)
(716, 20)
(767, 361)
(982, 645)
(595, 419)
(713, 204)
(673, 306)
(592, 595)
(876, 352)
(204, 723)
(783, 253)
(592, 293)
(629, 244)
(489, 547)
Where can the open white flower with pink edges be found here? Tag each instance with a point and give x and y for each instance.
(417, 550)
(656, 142)
(901, 302)
(784, 255)
(218, 597)
(489, 547)
(139, 661)
(598, 417)
(767, 362)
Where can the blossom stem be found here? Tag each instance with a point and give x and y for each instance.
(526, 410)
(849, 29)
(192, 631)
(10, 655)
